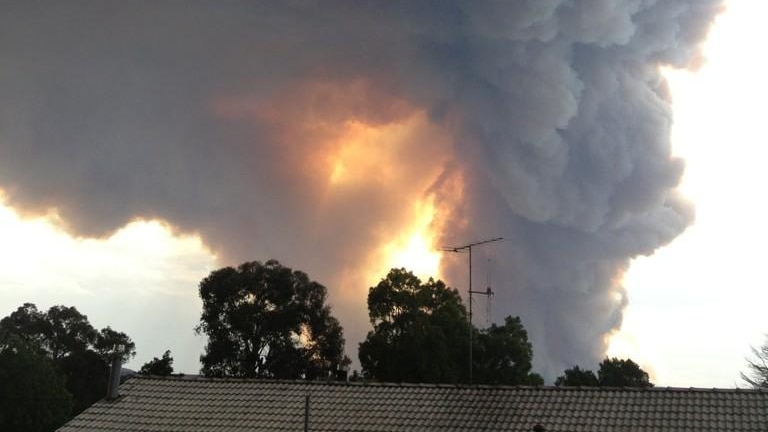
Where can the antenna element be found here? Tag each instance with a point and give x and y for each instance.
(488, 292)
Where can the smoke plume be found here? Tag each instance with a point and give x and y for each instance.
(315, 132)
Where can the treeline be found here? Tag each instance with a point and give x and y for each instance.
(265, 320)
(269, 321)
(53, 365)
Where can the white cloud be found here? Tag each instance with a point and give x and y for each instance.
(141, 280)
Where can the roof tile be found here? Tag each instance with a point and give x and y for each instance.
(183, 404)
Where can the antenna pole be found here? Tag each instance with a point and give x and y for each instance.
(468, 248)
(471, 368)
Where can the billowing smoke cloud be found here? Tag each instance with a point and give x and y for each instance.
(308, 131)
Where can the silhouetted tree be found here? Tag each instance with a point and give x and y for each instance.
(86, 375)
(66, 331)
(421, 334)
(504, 355)
(28, 326)
(575, 377)
(158, 366)
(80, 352)
(110, 344)
(420, 331)
(758, 368)
(622, 373)
(266, 320)
(32, 393)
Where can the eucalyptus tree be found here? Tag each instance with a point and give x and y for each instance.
(267, 320)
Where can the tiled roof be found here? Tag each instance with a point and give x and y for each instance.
(175, 404)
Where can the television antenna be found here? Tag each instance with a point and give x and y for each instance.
(468, 248)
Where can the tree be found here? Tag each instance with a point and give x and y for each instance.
(66, 331)
(63, 331)
(421, 334)
(622, 373)
(78, 351)
(86, 375)
(266, 320)
(25, 325)
(32, 394)
(158, 366)
(110, 344)
(504, 355)
(575, 377)
(420, 331)
(758, 368)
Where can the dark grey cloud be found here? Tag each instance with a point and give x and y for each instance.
(217, 117)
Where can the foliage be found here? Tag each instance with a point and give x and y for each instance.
(758, 368)
(32, 394)
(63, 331)
(66, 331)
(158, 366)
(78, 351)
(576, 376)
(533, 379)
(622, 373)
(504, 355)
(613, 372)
(25, 325)
(266, 320)
(110, 344)
(421, 334)
(86, 376)
(420, 331)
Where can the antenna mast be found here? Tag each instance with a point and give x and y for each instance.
(488, 292)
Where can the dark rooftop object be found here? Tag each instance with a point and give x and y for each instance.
(177, 404)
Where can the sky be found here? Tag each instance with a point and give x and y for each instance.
(131, 256)
(696, 305)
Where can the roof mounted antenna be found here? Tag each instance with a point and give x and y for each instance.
(468, 248)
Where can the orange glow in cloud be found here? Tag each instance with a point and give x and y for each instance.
(364, 153)
(380, 158)
(414, 249)
(376, 178)
(403, 157)
(375, 158)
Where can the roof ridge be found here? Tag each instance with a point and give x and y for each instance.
(193, 378)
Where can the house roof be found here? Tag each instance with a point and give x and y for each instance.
(177, 404)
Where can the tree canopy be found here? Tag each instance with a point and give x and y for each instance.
(503, 355)
(65, 331)
(158, 366)
(62, 331)
(616, 372)
(757, 376)
(576, 377)
(420, 331)
(32, 395)
(110, 344)
(613, 372)
(267, 320)
(80, 352)
(421, 334)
